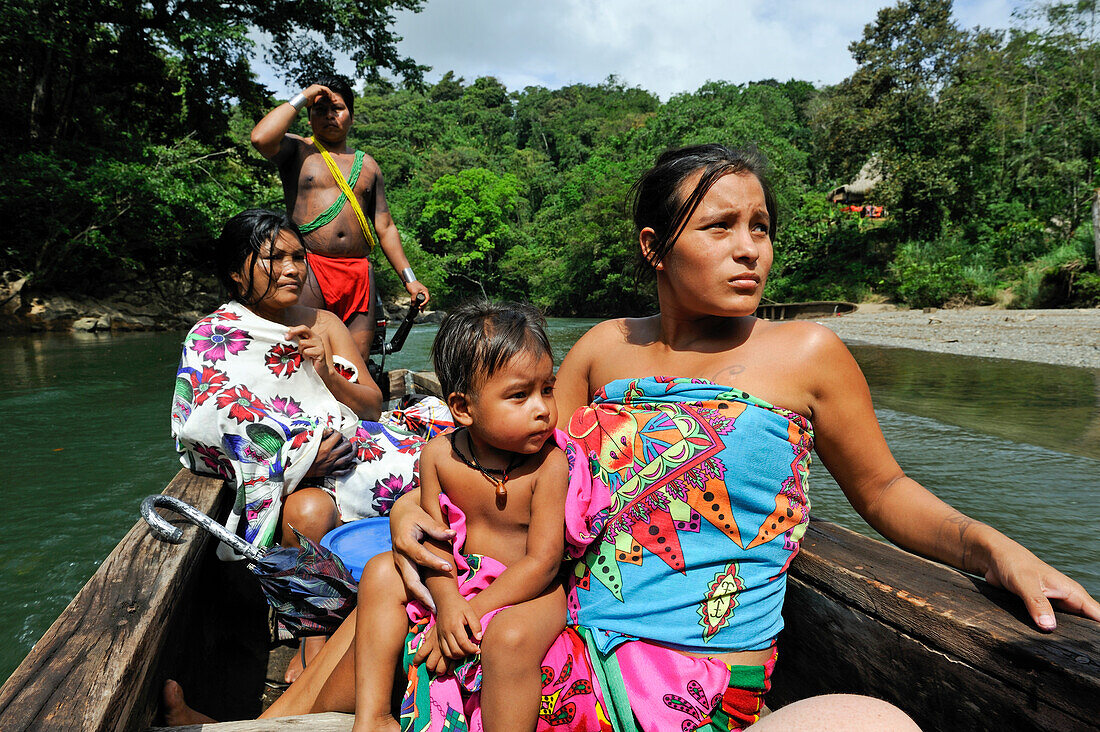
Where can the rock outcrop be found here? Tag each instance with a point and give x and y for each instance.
(137, 305)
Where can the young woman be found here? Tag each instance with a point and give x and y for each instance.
(274, 396)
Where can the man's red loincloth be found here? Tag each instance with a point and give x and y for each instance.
(344, 282)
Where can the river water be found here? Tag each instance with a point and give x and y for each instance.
(86, 437)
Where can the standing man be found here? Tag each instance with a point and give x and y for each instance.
(334, 225)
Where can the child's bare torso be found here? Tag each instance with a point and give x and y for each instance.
(498, 532)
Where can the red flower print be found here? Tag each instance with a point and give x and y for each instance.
(283, 359)
(243, 404)
(214, 460)
(299, 438)
(367, 450)
(410, 446)
(348, 372)
(225, 314)
(209, 384)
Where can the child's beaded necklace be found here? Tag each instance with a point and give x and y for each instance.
(490, 473)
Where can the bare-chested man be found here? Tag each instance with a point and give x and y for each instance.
(339, 277)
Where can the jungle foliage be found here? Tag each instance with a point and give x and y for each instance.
(127, 147)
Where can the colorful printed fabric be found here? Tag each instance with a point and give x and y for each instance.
(708, 503)
(426, 417)
(452, 702)
(249, 409)
(642, 686)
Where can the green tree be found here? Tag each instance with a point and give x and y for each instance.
(109, 99)
(469, 223)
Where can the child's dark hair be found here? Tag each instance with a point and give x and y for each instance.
(478, 338)
(656, 195)
(242, 239)
(341, 86)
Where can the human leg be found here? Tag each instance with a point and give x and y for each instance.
(327, 668)
(311, 511)
(361, 327)
(380, 632)
(511, 660)
(837, 712)
(175, 709)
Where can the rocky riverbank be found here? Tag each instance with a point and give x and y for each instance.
(1065, 337)
(138, 305)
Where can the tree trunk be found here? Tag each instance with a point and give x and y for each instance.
(40, 95)
(1096, 226)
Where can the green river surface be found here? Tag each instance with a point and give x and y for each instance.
(85, 435)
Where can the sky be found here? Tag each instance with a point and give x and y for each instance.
(661, 46)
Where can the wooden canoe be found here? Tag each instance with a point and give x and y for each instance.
(804, 310)
(866, 618)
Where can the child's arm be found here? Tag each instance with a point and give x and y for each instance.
(545, 542)
(453, 613)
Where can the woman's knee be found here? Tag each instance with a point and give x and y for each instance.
(838, 712)
(311, 511)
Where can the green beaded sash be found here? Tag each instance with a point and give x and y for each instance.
(332, 211)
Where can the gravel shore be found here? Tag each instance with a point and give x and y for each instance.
(1065, 337)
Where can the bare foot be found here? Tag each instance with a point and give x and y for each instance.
(308, 648)
(176, 711)
(383, 723)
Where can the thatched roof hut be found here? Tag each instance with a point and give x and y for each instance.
(857, 191)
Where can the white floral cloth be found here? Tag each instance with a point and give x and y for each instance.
(249, 409)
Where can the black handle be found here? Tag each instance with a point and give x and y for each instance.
(402, 333)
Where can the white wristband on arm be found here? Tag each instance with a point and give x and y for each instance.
(297, 101)
(407, 275)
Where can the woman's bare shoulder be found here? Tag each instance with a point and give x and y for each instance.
(804, 340)
(616, 332)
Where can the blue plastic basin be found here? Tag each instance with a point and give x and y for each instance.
(357, 542)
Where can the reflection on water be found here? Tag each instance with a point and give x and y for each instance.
(1051, 406)
(85, 427)
(86, 435)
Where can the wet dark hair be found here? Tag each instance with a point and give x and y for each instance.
(476, 339)
(242, 239)
(656, 196)
(341, 86)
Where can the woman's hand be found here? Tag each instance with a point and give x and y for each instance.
(314, 347)
(410, 525)
(1017, 570)
(335, 456)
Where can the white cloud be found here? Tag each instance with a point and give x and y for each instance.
(664, 47)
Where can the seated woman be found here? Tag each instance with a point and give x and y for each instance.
(698, 423)
(271, 395)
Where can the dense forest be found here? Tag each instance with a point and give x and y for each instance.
(125, 147)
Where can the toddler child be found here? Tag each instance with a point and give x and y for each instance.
(500, 482)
